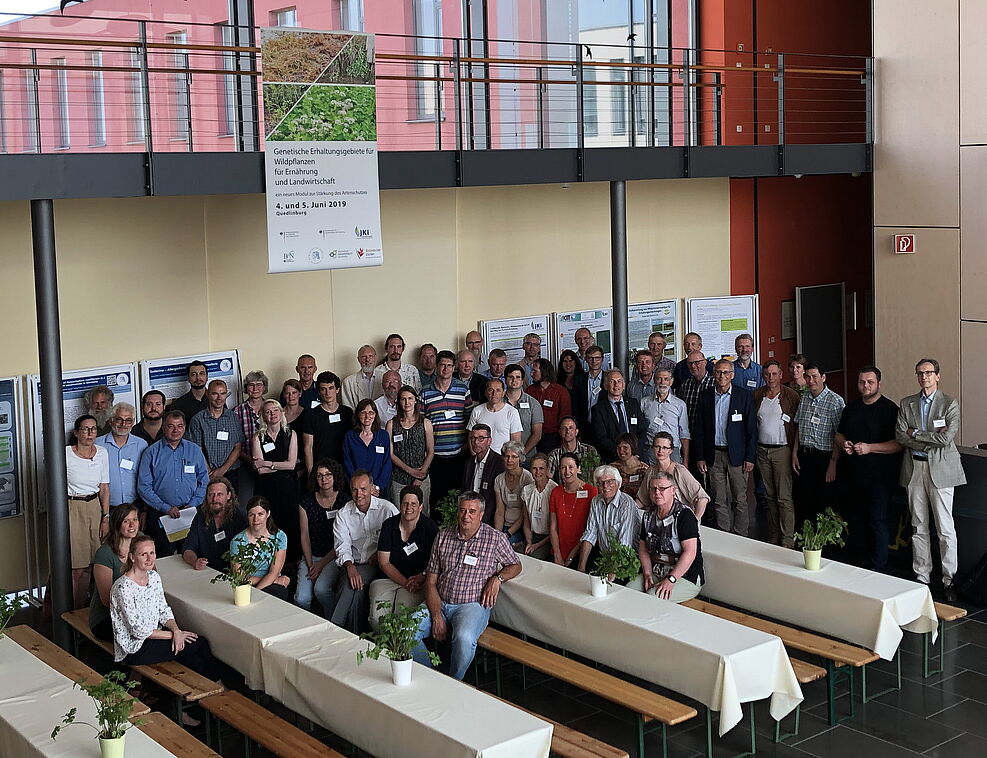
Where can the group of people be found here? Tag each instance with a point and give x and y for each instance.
(339, 476)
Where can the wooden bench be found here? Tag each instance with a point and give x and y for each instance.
(173, 738)
(836, 654)
(186, 685)
(648, 706)
(259, 725)
(944, 613)
(51, 654)
(805, 673)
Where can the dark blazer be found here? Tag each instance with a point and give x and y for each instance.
(741, 435)
(495, 465)
(580, 412)
(605, 425)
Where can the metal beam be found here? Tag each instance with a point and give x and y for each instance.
(52, 413)
(618, 271)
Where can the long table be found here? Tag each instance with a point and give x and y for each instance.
(852, 604)
(33, 700)
(716, 662)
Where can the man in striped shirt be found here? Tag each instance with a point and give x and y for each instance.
(444, 404)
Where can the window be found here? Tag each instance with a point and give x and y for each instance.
(618, 97)
(227, 94)
(641, 95)
(591, 113)
(32, 129)
(96, 100)
(135, 120)
(60, 100)
(428, 29)
(179, 94)
(350, 14)
(284, 17)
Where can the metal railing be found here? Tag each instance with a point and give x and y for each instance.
(142, 86)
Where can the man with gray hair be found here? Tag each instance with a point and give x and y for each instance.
(219, 433)
(532, 352)
(97, 402)
(359, 386)
(747, 373)
(610, 511)
(387, 404)
(614, 415)
(124, 451)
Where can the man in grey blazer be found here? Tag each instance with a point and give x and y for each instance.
(927, 427)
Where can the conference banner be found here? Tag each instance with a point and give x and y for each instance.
(170, 375)
(11, 428)
(320, 152)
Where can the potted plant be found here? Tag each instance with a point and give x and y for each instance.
(242, 564)
(113, 709)
(446, 511)
(588, 464)
(828, 530)
(9, 605)
(616, 561)
(395, 637)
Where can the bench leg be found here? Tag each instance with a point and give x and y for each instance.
(831, 682)
(641, 731)
(500, 685)
(709, 734)
(926, 671)
(863, 680)
(779, 737)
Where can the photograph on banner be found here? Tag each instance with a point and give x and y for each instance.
(644, 319)
(320, 151)
(170, 375)
(599, 323)
(508, 334)
(11, 426)
(720, 320)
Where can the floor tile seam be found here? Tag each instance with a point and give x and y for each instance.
(948, 707)
(888, 742)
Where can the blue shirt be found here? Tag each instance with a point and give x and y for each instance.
(621, 416)
(503, 379)
(924, 406)
(722, 415)
(593, 390)
(124, 462)
(163, 481)
(375, 457)
(749, 378)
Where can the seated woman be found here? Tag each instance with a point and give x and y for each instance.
(509, 512)
(536, 497)
(317, 512)
(403, 550)
(631, 467)
(144, 628)
(261, 527)
(108, 566)
(568, 507)
(669, 549)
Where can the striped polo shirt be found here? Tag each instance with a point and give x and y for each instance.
(447, 412)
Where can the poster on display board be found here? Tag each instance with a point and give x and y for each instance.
(508, 335)
(320, 151)
(720, 320)
(643, 319)
(170, 375)
(11, 431)
(599, 322)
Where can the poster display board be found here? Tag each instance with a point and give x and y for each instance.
(11, 429)
(508, 335)
(720, 320)
(599, 322)
(170, 375)
(645, 318)
(320, 153)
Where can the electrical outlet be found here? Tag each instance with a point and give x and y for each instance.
(771, 353)
(739, 128)
(767, 127)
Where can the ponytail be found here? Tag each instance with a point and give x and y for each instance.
(138, 540)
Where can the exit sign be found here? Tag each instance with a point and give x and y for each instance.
(904, 243)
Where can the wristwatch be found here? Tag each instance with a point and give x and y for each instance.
(501, 577)
(105, 515)
(671, 578)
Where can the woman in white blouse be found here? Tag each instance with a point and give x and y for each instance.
(88, 476)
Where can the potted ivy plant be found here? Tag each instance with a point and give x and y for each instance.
(395, 638)
(616, 561)
(446, 511)
(9, 605)
(588, 464)
(828, 530)
(113, 709)
(242, 564)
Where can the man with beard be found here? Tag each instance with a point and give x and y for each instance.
(394, 349)
(387, 404)
(219, 433)
(195, 399)
(474, 343)
(427, 355)
(360, 386)
(746, 371)
(152, 409)
(98, 403)
(217, 522)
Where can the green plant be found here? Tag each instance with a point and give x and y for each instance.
(588, 464)
(333, 113)
(113, 707)
(617, 560)
(9, 605)
(828, 530)
(244, 561)
(447, 509)
(396, 635)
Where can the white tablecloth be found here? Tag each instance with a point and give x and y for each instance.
(716, 662)
(237, 634)
(34, 698)
(317, 676)
(849, 603)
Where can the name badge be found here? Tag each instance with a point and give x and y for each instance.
(268, 447)
(815, 419)
(379, 449)
(399, 438)
(315, 403)
(525, 405)
(410, 548)
(331, 514)
(596, 391)
(450, 415)
(470, 560)
(334, 418)
(785, 417)
(483, 485)
(189, 469)
(751, 383)
(222, 436)
(511, 497)
(938, 423)
(220, 535)
(737, 417)
(634, 478)
(582, 495)
(126, 464)
(548, 403)
(633, 420)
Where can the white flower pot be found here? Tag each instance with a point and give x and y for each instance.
(401, 672)
(598, 585)
(813, 559)
(241, 595)
(112, 748)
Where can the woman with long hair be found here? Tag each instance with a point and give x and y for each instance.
(275, 456)
(412, 447)
(108, 566)
(262, 529)
(317, 513)
(367, 447)
(569, 368)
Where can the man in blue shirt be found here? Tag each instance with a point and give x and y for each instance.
(124, 451)
(172, 475)
(746, 372)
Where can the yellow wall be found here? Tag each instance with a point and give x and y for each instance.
(156, 277)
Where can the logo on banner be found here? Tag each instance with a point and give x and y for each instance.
(289, 257)
(315, 255)
(360, 252)
(362, 233)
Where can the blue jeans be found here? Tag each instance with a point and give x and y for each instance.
(323, 586)
(466, 622)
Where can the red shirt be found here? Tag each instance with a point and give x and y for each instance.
(559, 404)
(571, 510)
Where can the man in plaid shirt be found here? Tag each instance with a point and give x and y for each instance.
(462, 582)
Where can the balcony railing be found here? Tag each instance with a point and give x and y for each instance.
(140, 86)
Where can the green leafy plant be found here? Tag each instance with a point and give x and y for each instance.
(244, 562)
(588, 464)
(828, 530)
(332, 113)
(9, 605)
(447, 509)
(113, 707)
(617, 560)
(396, 635)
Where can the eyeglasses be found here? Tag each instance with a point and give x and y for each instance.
(480, 437)
(326, 475)
(663, 447)
(926, 373)
(666, 489)
(87, 430)
(724, 372)
(601, 482)
(122, 420)
(696, 363)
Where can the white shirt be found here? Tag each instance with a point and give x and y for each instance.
(478, 472)
(502, 423)
(135, 612)
(357, 387)
(83, 475)
(537, 504)
(409, 375)
(770, 427)
(385, 411)
(356, 533)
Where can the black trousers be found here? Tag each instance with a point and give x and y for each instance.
(873, 500)
(447, 474)
(813, 494)
(195, 655)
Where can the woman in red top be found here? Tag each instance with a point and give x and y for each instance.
(569, 508)
(554, 399)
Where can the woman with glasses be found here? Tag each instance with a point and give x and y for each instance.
(690, 491)
(274, 451)
(316, 517)
(669, 549)
(367, 447)
(87, 467)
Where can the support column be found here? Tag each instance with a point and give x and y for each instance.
(52, 413)
(618, 271)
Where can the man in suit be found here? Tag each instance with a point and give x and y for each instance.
(586, 390)
(725, 440)
(614, 415)
(481, 469)
(928, 424)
